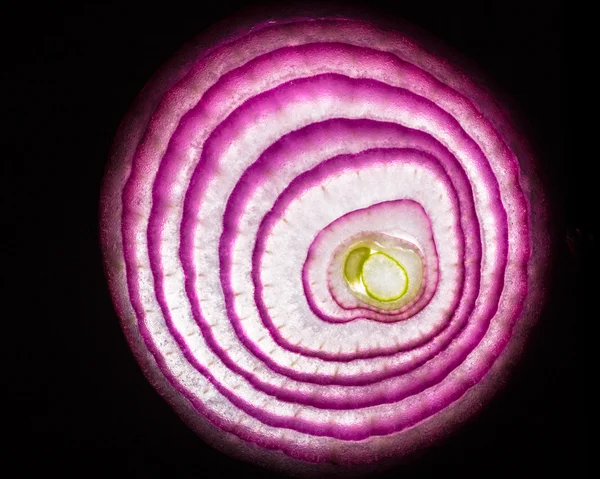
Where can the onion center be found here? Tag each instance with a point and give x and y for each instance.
(372, 272)
(384, 278)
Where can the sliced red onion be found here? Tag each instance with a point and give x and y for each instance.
(320, 240)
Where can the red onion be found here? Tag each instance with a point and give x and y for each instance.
(321, 241)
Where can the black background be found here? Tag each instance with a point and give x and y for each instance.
(81, 404)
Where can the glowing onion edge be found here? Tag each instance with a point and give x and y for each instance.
(246, 172)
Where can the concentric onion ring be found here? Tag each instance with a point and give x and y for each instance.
(320, 240)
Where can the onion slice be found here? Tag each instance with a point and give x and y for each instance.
(321, 241)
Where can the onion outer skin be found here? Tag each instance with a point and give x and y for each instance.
(423, 433)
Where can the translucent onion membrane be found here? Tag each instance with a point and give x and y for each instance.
(320, 241)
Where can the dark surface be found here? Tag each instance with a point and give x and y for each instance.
(79, 399)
